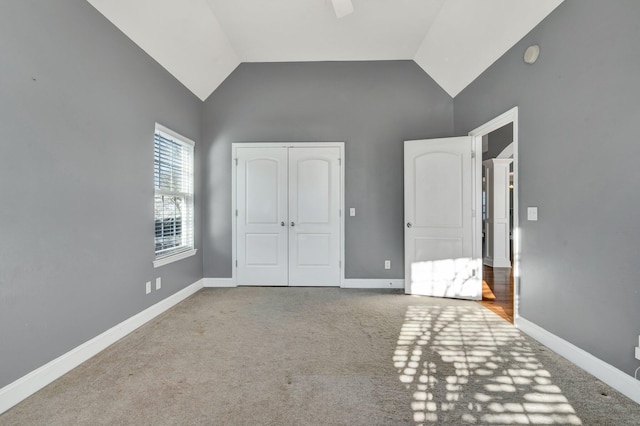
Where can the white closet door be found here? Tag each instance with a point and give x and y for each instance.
(261, 201)
(438, 219)
(314, 216)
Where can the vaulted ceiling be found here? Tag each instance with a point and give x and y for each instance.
(201, 42)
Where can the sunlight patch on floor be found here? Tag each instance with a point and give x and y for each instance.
(465, 364)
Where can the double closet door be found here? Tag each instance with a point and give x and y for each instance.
(287, 216)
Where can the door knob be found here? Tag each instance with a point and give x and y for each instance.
(293, 224)
(409, 225)
(281, 223)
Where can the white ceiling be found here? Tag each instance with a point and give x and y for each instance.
(201, 42)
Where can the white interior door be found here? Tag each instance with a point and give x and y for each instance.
(314, 217)
(288, 216)
(438, 197)
(261, 202)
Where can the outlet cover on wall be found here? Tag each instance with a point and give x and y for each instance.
(158, 283)
(387, 264)
(637, 352)
(148, 287)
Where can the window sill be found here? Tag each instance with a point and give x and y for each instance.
(174, 258)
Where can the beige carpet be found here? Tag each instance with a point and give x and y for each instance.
(296, 356)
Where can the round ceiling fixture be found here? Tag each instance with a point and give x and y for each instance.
(531, 54)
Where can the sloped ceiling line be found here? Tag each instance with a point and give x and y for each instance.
(203, 41)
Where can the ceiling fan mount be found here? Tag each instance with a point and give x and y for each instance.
(342, 8)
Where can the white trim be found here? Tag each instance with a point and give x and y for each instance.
(372, 283)
(29, 384)
(174, 258)
(493, 263)
(176, 135)
(234, 156)
(476, 200)
(218, 282)
(503, 119)
(609, 374)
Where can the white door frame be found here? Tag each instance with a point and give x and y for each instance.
(510, 116)
(234, 218)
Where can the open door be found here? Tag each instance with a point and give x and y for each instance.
(438, 206)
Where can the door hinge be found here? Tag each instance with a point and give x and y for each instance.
(339, 161)
(236, 263)
(473, 154)
(339, 212)
(236, 161)
(339, 263)
(236, 212)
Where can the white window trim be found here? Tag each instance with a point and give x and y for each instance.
(174, 134)
(174, 257)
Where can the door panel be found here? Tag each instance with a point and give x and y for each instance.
(261, 201)
(437, 248)
(314, 249)
(314, 206)
(261, 190)
(438, 219)
(314, 191)
(430, 168)
(262, 249)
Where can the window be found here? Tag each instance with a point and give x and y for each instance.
(173, 182)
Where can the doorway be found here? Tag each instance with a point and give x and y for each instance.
(498, 202)
(287, 211)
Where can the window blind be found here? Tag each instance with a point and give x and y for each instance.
(173, 182)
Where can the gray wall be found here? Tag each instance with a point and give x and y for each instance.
(371, 106)
(78, 103)
(579, 155)
(498, 140)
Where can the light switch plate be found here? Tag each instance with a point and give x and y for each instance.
(352, 211)
(637, 352)
(158, 283)
(532, 213)
(148, 287)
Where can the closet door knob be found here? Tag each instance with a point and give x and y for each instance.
(409, 225)
(281, 223)
(293, 224)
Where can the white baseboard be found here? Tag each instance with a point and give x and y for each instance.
(29, 384)
(609, 374)
(371, 283)
(219, 282)
(497, 263)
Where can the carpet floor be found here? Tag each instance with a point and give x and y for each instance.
(314, 356)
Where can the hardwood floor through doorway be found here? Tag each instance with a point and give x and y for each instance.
(497, 291)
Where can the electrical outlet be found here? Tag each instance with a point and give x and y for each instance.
(637, 352)
(158, 283)
(148, 287)
(387, 264)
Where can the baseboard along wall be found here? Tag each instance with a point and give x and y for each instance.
(347, 283)
(609, 374)
(372, 283)
(25, 386)
(218, 282)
